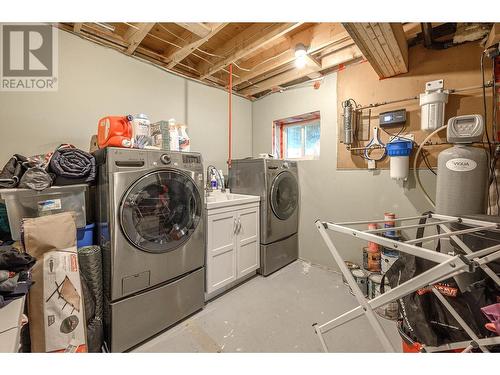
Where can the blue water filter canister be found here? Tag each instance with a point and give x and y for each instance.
(399, 151)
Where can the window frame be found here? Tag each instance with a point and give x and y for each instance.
(280, 145)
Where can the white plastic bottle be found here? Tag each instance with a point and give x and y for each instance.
(174, 135)
(140, 131)
(184, 142)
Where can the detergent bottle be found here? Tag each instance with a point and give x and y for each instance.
(114, 131)
(141, 132)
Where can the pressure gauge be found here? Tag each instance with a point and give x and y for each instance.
(465, 129)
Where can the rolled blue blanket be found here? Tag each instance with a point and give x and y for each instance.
(72, 166)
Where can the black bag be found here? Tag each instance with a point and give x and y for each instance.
(424, 317)
(36, 178)
(12, 171)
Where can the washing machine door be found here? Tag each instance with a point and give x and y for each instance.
(160, 211)
(284, 195)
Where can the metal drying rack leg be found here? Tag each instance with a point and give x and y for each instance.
(370, 314)
(447, 266)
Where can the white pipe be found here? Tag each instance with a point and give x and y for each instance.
(415, 170)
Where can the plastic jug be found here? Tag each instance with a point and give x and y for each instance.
(114, 131)
(141, 131)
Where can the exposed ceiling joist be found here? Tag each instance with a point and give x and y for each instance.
(340, 57)
(202, 29)
(134, 37)
(77, 27)
(264, 52)
(383, 44)
(245, 43)
(187, 49)
(494, 36)
(315, 38)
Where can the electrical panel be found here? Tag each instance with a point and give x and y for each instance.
(397, 117)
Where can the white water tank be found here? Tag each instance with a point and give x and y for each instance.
(462, 181)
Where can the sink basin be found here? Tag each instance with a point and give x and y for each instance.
(217, 199)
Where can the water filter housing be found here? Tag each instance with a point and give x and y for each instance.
(462, 180)
(399, 152)
(347, 122)
(432, 104)
(432, 113)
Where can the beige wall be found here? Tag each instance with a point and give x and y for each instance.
(328, 193)
(95, 81)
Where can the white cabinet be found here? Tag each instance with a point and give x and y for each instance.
(233, 246)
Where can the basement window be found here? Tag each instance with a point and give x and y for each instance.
(297, 137)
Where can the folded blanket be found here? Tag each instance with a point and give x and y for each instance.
(72, 166)
(12, 172)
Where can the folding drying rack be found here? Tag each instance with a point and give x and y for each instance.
(446, 266)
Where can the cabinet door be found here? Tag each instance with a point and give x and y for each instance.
(248, 244)
(221, 250)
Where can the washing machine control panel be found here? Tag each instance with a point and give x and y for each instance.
(165, 159)
(191, 159)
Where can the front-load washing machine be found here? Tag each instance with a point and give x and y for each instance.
(276, 182)
(151, 231)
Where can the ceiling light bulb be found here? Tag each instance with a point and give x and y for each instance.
(300, 50)
(300, 61)
(300, 55)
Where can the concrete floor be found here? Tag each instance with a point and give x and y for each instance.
(275, 314)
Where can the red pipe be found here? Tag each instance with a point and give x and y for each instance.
(230, 156)
(281, 142)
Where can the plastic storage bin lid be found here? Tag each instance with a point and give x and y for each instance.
(399, 148)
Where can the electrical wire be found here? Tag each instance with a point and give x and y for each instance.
(494, 177)
(171, 33)
(240, 68)
(209, 53)
(492, 158)
(484, 104)
(415, 161)
(425, 154)
(398, 133)
(185, 40)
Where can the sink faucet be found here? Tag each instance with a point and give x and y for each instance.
(220, 179)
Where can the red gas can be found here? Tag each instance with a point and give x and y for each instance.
(114, 131)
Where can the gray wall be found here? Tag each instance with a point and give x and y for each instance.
(95, 81)
(328, 193)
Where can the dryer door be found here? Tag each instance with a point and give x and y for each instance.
(284, 195)
(160, 211)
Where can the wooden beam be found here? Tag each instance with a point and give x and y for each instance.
(179, 55)
(135, 37)
(340, 57)
(77, 27)
(316, 38)
(494, 36)
(245, 43)
(313, 61)
(200, 29)
(383, 44)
